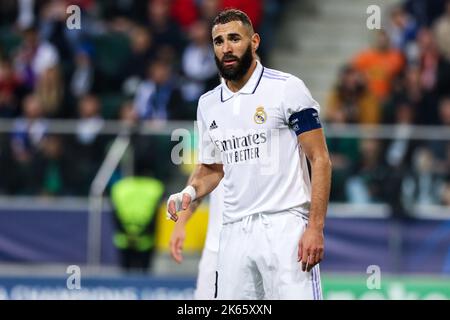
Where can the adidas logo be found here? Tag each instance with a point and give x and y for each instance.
(213, 125)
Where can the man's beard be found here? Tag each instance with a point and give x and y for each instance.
(236, 72)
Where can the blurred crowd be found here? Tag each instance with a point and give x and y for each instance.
(132, 60)
(403, 79)
(137, 60)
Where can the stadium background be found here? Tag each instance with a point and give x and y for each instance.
(71, 98)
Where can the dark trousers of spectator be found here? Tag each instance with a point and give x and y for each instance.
(136, 261)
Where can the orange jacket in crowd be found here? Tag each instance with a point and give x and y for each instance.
(380, 68)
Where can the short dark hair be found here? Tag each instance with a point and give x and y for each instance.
(231, 14)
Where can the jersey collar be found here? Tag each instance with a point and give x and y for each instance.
(249, 88)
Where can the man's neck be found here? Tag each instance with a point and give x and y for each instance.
(235, 86)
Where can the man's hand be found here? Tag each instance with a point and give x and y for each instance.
(310, 248)
(180, 201)
(177, 241)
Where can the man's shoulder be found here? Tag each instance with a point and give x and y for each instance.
(209, 95)
(280, 77)
(268, 72)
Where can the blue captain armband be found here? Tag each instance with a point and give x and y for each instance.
(305, 120)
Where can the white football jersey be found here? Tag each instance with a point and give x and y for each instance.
(248, 131)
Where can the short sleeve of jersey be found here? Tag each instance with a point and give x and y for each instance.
(296, 98)
(207, 151)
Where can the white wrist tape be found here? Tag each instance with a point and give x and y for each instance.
(190, 191)
(178, 198)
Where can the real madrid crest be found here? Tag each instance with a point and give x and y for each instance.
(260, 115)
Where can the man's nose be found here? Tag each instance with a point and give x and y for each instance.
(226, 48)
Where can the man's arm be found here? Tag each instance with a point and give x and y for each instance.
(205, 179)
(311, 246)
(179, 232)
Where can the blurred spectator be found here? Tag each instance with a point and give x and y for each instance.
(271, 17)
(158, 97)
(29, 129)
(150, 152)
(442, 32)
(142, 51)
(86, 77)
(136, 201)
(351, 101)
(410, 90)
(198, 63)
(343, 154)
(184, 12)
(27, 11)
(26, 138)
(398, 153)
(444, 111)
(441, 153)
(34, 57)
(428, 56)
(8, 90)
(380, 64)
(441, 148)
(113, 10)
(87, 144)
(209, 9)
(8, 13)
(128, 114)
(422, 185)
(5, 160)
(53, 28)
(366, 184)
(51, 166)
(90, 120)
(50, 91)
(69, 70)
(26, 16)
(445, 193)
(400, 147)
(402, 30)
(425, 11)
(166, 33)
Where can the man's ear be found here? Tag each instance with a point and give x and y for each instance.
(255, 42)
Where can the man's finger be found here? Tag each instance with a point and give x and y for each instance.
(171, 207)
(305, 259)
(173, 249)
(315, 257)
(177, 250)
(311, 262)
(186, 201)
(300, 249)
